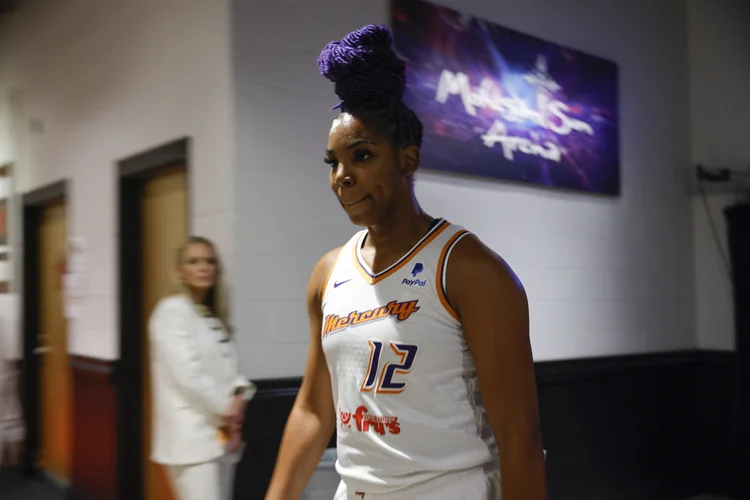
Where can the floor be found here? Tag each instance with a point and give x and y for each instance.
(12, 487)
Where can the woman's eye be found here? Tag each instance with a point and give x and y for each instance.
(362, 155)
(330, 161)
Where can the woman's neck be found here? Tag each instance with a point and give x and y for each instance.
(198, 296)
(403, 228)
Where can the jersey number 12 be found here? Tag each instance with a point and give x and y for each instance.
(382, 381)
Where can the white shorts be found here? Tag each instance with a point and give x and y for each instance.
(472, 484)
(208, 481)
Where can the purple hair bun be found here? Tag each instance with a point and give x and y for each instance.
(364, 67)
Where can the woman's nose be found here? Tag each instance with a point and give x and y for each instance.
(342, 176)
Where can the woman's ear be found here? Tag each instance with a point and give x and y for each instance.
(410, 157)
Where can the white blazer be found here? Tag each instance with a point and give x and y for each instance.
(194, 375)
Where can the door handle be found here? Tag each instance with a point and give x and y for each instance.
(41, 350)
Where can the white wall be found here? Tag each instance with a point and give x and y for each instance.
(6, 146)
(604, 276)
(9, 310)
(106, 80)
(719, 45)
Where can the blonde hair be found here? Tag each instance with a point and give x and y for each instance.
(216, 303)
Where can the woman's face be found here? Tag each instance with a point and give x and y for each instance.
(368, 176)
(199, 267)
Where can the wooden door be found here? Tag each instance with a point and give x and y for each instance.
(164, 225)
(56, 426)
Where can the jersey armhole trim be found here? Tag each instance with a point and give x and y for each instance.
(328, 277)
(442, 269)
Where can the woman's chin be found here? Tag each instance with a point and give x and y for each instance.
(362, 220)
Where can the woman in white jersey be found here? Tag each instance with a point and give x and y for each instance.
(419, 355)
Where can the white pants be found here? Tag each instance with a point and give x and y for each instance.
(474, 484)
(208, 481)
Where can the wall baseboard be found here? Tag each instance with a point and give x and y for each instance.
(652, 427)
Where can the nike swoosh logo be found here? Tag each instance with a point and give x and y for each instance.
(336, 285)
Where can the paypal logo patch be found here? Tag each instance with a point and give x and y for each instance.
(414, 282)
(418, 268)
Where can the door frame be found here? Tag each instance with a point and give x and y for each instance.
(33, 204)
(132, 173)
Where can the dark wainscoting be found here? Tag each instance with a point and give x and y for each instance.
(265, 418)
(738, 232)
(642, 427)
(639, 427)
(94, 430)
(720, 424)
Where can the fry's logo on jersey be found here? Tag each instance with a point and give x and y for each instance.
(400, 310)
(365, 423)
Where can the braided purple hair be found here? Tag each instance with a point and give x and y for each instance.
(370, 80)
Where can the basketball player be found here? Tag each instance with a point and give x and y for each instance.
(419, 355)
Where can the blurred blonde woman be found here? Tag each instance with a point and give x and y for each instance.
(199, 396)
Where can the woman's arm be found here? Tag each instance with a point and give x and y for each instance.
(493, 308)
(313, 418)
(171, 336)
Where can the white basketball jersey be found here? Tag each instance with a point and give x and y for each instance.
(404, 382)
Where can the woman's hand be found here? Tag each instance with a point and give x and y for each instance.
(234, 416)
(235, 413)
(232, 439)
(235, 442)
